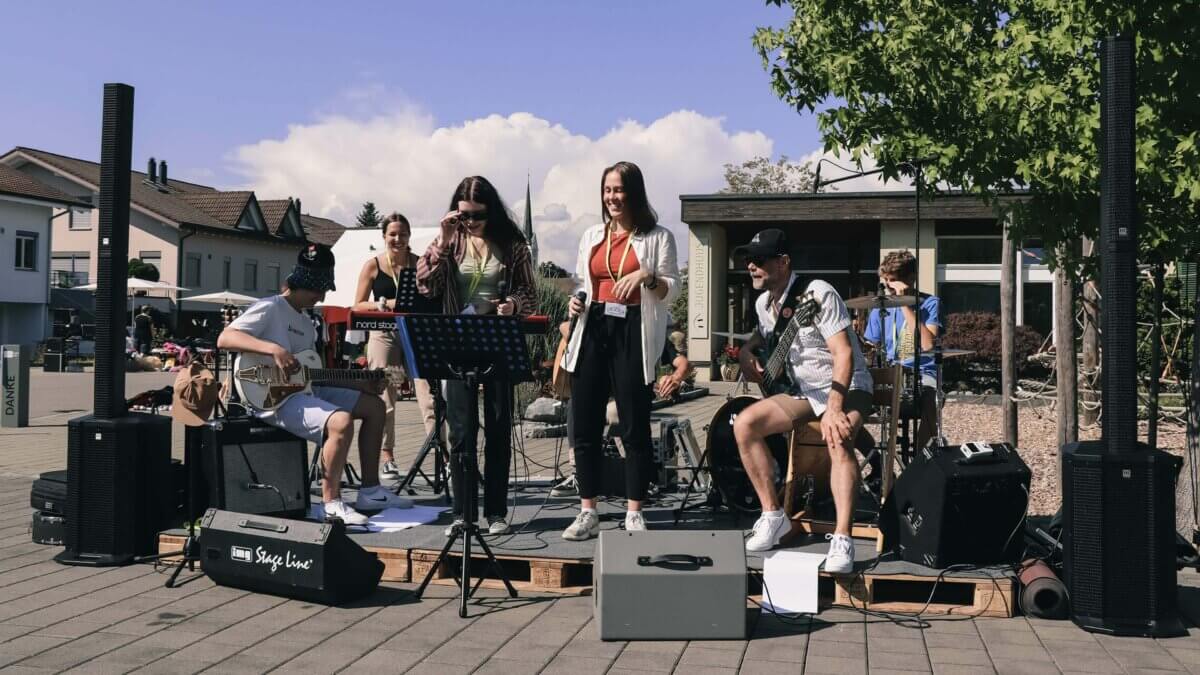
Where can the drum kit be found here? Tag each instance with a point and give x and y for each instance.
(723, 459)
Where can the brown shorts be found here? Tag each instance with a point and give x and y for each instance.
(798, 407)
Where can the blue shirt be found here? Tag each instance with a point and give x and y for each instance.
(889, 330)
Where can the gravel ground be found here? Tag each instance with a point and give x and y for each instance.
(1037, 429)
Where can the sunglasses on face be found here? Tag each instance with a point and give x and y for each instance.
(473, 215)
(760, 260)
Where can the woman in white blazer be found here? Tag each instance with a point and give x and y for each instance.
(630, 275)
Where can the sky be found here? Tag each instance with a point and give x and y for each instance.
(394, 102)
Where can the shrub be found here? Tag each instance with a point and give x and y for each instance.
(980, 332)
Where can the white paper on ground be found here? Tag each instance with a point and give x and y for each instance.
(791, 578)
(391, 520)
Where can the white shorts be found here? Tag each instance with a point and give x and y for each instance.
(305, 415)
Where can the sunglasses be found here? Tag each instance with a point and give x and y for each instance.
(473, 215)
(760, 260)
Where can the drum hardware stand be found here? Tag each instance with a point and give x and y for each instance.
(433, 441)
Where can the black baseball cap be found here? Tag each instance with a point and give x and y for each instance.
(314, 269)
(765, 244)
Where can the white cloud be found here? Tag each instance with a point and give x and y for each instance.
(404, 161)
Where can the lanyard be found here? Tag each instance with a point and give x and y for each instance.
(480, 262)
(391, 272)
(608, 256)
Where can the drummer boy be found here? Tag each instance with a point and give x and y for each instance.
(891, 330)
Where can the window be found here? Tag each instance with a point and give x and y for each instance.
(26, 258)
(192, 270)
(152, 258)
(969, 250)
(969, 297)
(250, 276)
(273, 278)
(69, 269)
(226, 272)
(80, 219)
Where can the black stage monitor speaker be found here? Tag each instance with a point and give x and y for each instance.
(119, 488)
(250, 467)
(1119, 539)
(297, 559)
(947, 509)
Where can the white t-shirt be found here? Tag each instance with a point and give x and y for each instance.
(809, 356)
(274, 320)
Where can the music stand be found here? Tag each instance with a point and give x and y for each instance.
(473, 349)
(406, 290)
(433, 441)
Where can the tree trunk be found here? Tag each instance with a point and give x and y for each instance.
(1064, 350)
(1091, 346)
(1008, 331)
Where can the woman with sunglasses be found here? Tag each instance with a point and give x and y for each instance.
(478, 248)
(378, 284)
(629, 272)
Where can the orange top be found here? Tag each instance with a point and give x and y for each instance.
(621, 261)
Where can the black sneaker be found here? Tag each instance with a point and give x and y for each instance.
(569, 487)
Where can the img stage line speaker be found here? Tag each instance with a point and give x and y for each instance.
(946, 511)
(297, 559)
(248, 466)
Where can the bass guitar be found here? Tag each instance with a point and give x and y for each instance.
(776, 379)
(263, 386)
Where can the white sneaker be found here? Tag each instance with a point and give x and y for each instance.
(458, 524)
(569, 487)
(768, 532)
(377, 498)
(497, 525)
(586, 526)
(389, 471)
(338, 509)
(840, 559)
(634, 521)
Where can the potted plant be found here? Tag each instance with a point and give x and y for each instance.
(728, 359)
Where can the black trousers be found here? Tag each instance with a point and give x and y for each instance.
(610, 361)
(462, 418)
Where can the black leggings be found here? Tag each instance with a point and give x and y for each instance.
(610, 360)
(462, 418)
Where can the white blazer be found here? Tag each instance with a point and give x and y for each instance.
(654, 250)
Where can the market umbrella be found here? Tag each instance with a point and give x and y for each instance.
(223, 298)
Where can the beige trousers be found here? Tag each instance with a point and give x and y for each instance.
(383, 349)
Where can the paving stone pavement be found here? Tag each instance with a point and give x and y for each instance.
(121, 620)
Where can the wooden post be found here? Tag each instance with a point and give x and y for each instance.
(1091, 343)
(1008, 331)
(1064, 357)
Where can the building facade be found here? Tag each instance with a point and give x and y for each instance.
(841, 237)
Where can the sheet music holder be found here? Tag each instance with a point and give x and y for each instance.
(474, 349)
(406, 290)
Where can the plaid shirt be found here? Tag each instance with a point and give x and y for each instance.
(438, 268)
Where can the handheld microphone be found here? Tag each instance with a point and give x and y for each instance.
(502, 292)
(581, 296)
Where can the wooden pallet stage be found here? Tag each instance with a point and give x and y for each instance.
(881, 590)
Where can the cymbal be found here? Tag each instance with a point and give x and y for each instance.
(955, 353)
(881, 301)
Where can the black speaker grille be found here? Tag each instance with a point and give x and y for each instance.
(116, 154)
(1118, 239)
(1086, 536)
(1128, 586)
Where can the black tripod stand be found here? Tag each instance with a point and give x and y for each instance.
(470, 348)
(433, 441)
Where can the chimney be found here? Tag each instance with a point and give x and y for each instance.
(163, 171)
(151, 171)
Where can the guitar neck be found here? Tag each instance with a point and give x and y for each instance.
(341, 375)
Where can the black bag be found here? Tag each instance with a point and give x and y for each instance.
(49, 493)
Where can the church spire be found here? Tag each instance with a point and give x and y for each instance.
(529, 235)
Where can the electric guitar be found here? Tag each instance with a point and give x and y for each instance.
(776, 379)
(263, 386)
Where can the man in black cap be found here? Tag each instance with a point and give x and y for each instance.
(828, 380)
(279, 327)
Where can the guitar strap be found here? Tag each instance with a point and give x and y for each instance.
(786, 310)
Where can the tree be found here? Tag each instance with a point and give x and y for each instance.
(760, 175)
(549, 270)
(369, 217)
(679, 308)
(998, 94)
(141, 270)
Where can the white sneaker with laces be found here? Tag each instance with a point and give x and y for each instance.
(769, 530)
(497, 525)
(586, 526)
(389, 471)
(840, 559)
(458, 524)
(378, 498)
(568, 487)
(338, 509)
(634, 521)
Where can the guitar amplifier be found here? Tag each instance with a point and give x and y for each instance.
(248, 466)
(682, 585)
(297, 559)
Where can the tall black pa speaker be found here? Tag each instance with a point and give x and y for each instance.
(1119, 494)
(248, 466)
(946, 511)
(119, 488)
(297, 559)
(1119, 539)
